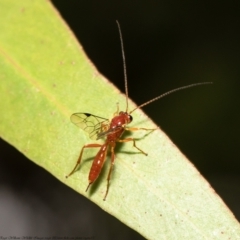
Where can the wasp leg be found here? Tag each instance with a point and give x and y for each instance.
(80, 156)
(110, 171)
(134, 144)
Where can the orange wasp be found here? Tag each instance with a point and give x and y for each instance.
(98, 127)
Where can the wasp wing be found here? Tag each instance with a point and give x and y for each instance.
(107, 132)
(90, 123)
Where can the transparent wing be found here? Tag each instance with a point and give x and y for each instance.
(90, 123)
(108, 131)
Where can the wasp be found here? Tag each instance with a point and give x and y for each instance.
(112, 130)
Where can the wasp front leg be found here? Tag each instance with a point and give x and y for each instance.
(136, 129)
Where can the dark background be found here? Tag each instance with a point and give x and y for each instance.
(168, 44)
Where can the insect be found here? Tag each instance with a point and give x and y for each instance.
(98, 127)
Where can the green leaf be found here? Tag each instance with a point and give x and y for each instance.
(45, 77)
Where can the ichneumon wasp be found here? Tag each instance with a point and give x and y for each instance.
(111, 130)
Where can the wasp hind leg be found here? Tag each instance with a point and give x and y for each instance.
(110, 172)
(94, 145)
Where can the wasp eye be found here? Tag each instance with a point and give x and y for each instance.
(130, 118)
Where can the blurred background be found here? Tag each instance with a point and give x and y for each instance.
(168, 44)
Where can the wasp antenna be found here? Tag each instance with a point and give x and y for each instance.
(167, 93)
(124, 64)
